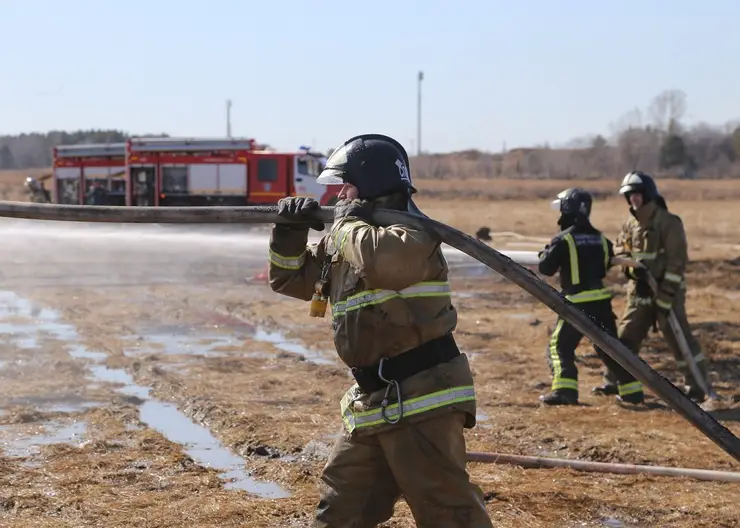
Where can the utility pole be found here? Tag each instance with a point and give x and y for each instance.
(418, 114)
(228, 118)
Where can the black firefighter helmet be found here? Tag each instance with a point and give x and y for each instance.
(639, 182)
(574, 205)
(376, 164)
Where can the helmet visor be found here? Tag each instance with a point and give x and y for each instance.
(555, 204)
(331, 177)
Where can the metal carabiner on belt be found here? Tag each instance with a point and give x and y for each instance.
(384, 403)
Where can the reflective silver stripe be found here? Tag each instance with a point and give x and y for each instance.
(589, 296)
(629, 388)
(290, 263)
(644, 256)
(673, 277)
(371, 297)
(643, 301)
(356, 420)
(663, 304)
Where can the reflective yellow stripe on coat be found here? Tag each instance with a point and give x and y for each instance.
(289, 263)
(363, 419)
(372, 297)
(590, 296)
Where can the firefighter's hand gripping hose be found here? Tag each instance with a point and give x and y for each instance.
(517, 274)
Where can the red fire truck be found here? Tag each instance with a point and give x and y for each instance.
(219, 171)
(80, 173)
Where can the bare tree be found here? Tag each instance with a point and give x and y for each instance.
(627, 130)
(667, 109)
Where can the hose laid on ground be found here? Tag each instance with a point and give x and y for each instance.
(531, 462)
(517, 274)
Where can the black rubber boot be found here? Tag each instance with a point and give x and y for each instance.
(636, 398)
(561, 397)
(695, 393)
(605, 390)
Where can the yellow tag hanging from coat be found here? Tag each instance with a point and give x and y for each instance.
(318, 306)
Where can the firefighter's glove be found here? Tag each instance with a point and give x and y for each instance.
(302, 209)
(643, 290)
(359, 209)
(641, 274)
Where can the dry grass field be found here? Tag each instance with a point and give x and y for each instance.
(139, 375)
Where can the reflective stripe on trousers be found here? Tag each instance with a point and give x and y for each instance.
(372, 297)
(629, 388)
(558, 382)
(362, 419)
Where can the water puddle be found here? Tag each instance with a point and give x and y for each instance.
(119, 377)
(21, 444)
(464, 295)
(187, 340)
(613, 522)
(482, 419)
(279, 341)
(200, 444)
(204, 448)
(80, 352)
(65, 403)
(184, 340)
(23, 324)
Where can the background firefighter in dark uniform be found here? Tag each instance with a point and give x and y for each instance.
(582, 255)
(393, 323)
(656, 238)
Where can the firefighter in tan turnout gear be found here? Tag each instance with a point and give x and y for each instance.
(582, 255)
(393, 321)
(656, 238)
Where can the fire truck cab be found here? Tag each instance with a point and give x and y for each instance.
(219, 171)
(89, 174)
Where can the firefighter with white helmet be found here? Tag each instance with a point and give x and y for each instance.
(393, 322)
(656, 238)
(582, 255)
(36, 191)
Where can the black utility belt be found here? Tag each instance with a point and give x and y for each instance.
(398, 368)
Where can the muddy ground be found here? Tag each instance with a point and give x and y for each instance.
(146, 383)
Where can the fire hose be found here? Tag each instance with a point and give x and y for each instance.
(532, 462)
(485, 254)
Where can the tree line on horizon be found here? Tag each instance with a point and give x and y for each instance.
(654, 140)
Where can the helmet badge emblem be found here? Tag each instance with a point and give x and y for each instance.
(402, 171)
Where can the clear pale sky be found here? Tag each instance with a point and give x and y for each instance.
(521, 72)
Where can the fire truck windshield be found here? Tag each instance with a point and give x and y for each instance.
(310, 166)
